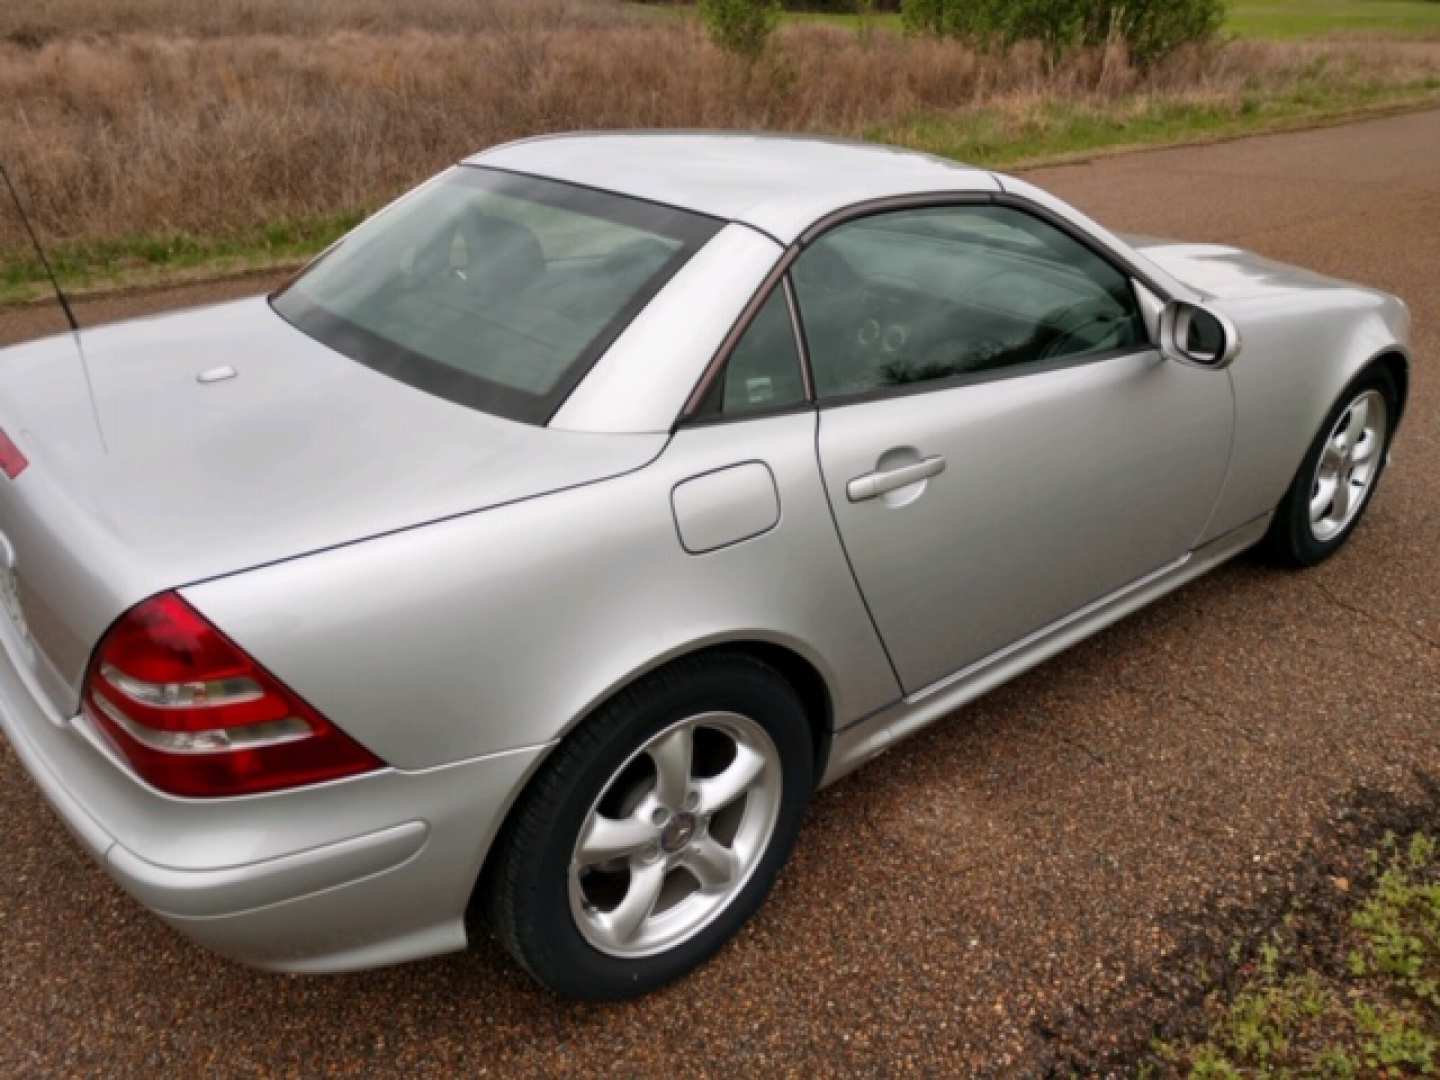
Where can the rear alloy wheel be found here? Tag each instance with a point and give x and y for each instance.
(1338, 477)
(655, 830)
(650, 873)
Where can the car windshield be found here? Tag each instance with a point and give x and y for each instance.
(491, 289)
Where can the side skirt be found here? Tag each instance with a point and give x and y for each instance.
(858, 743)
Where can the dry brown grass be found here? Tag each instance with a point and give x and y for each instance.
(124, 117)
(34, 22)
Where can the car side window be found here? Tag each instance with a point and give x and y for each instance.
(919, 295)
(763, 370)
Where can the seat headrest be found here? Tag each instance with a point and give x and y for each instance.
(504, 257)
(499, 257)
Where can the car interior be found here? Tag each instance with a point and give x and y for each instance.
(895, 300)
(485, 296)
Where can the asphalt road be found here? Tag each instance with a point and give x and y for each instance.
(983, 897)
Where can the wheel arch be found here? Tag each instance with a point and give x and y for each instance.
(1298, 357)
(790, 660)
(806, 680)
(1396, 361)
(802, 673)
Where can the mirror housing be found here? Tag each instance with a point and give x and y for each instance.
(1197, 335)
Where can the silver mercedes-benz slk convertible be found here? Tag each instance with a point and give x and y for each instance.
(535, 553)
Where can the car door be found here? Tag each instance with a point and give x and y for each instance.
(1000, 442)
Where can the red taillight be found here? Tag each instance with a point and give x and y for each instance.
(196, 716)
(12, 461)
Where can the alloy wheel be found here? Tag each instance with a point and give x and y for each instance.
(1349, 463)
(675, 834)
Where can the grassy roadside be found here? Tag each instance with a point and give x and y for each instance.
(1349, 990)
(1316, 18)
(167, 258)
(1052, 131)
(994, 137)
(1275, 19)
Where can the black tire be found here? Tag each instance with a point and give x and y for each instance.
(1290, 540)
(525, 892)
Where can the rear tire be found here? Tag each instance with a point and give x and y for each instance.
(1339, 475)
(655, 830)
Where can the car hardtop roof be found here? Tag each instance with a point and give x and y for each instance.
(779, 184)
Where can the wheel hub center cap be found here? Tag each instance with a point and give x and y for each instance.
(678, 833)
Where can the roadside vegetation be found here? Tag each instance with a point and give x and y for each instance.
(150, 136)
(1148, 30)
(1321, 18)
(1318, 1000)
(1243, 18)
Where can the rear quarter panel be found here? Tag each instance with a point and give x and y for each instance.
(1298, 352)
(501, 629)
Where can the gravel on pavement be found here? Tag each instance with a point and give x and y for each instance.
(982, 899)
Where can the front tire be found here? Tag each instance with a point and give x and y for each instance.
(1339, 475)
(655, 830)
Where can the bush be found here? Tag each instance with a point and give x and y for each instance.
(1149, 28)
(841, 7)
(741, 27)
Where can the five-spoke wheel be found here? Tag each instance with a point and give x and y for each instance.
(1349, 463)
(655, 829)
(1338, 476)
(675, 834)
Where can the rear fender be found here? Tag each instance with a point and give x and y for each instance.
(503, 629)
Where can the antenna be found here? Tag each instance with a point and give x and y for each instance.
(40, 251)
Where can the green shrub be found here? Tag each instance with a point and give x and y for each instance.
(741, 27)
(1149, 28)
(841, 7)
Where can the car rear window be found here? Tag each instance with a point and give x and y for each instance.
(493, 289)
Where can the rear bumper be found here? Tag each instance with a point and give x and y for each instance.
(362, 872)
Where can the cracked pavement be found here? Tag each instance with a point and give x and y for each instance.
(1002, 878)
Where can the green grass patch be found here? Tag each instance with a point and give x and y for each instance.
(1318, 18)
(125, 261)
(1377, 1013)
(1001, 138)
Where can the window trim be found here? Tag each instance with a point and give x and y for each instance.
(1017, 371)
(689, 413)
(779, 275)
(977, 378)
(802, 343)
(802, 357)
(768, 413)
(1097, 246)
(439, 379)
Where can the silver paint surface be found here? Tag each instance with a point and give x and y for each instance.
(725, 506)
(458, 592)
(775, 183)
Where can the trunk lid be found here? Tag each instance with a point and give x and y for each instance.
(143, 478)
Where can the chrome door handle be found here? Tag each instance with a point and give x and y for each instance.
(883, 480)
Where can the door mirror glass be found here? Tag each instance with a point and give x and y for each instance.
(1194, 334)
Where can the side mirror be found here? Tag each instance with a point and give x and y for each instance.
(1193, 334)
